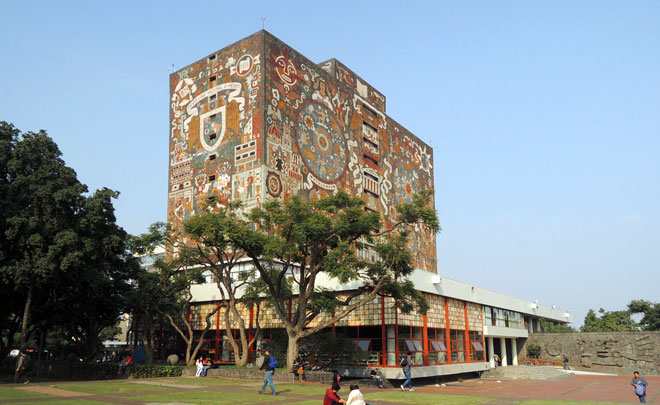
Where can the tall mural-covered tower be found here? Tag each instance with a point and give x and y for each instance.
(257, 120)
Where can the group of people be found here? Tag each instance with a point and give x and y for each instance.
(332, 397)
(203, 365)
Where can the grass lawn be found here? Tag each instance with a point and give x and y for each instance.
(555, 401)
(7, 393)
(306, 389)
(67, 401)
(421, 398)
(108, 387)
(208, 397)
(204, 381)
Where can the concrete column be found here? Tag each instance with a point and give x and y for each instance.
(530, 325)
(391, 346)
(514, 352)
(538, 325)
(491, 352)
(503, 350)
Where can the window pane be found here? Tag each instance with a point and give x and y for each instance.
(418, 346)
(411, 345)
(477, 346)
(363, 344)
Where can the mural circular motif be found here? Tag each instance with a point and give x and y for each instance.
(321, 142)
(274, 184)
(406, 181)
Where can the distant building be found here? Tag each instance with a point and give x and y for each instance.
(256, 121)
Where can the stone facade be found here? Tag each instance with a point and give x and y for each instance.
(257, 121)
(614, 352)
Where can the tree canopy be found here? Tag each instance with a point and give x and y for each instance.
(297, 243)
(608, 321)
(62, 255)
(651, 314)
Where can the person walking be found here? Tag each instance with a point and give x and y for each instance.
(406, 363)
(496, 359)
(269, 364)
(565, 361)
(22, 365)
(640, 384)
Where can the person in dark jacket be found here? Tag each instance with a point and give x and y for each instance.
(268, 379)
(374, 375)
(637, 380)
(406, 364)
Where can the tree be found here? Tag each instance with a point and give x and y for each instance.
(92, 296)
(293, 244)
(212, 248)
(40, 199)
(166, 291)
(609, 321)
(651, 319)
(552, 327)
(61, 252)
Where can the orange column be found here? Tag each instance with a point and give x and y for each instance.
(425, 341)
(467, 332)
(383, 331)
(447, 339)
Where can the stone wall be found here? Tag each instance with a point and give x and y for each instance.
(280, 375)
(614, 352)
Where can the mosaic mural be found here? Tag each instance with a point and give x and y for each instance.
(257, 120)
(215, 131)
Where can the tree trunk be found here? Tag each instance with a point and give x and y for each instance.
(26, 318)
(291, 352)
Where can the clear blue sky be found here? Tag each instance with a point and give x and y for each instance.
(544, 116)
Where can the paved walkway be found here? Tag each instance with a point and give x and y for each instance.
(600, 388)
(615, 389)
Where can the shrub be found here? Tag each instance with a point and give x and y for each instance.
(155, 370)
(534, 351)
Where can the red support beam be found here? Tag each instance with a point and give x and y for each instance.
(383, 360)
(447, 338)
(467, 332)
(425, 340)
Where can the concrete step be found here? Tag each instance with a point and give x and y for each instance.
(523, 373)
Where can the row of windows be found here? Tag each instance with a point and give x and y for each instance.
(503, 318)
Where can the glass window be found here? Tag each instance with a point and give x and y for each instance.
(477, 346)
(438, 346)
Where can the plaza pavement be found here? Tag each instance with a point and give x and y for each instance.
(596, 388)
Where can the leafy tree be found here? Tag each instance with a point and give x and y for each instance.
(295, 243)
(212, 247)
(651, 319)
(609, 321)
(94, 294)
(166, 291)
(61, 251)
(555, 327)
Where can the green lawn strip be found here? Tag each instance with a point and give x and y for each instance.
(64, 402)
(203, 381)
(305, 389)
(208, 397)
(108, 387)
(422, 398)
(556, 401)
(316, 402)
(7, 393)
